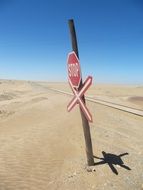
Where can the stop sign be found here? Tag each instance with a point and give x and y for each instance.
(74, 73)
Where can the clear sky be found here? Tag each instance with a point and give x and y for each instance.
(35, 40)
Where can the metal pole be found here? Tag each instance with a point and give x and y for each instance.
(85, 123)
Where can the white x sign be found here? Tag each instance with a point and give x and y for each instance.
(78, 98)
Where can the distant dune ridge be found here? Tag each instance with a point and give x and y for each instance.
(137, 100)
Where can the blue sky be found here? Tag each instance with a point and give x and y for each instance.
(35, 40)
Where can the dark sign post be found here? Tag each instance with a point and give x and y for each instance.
(85, 120)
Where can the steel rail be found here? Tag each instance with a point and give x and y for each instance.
(131, 110)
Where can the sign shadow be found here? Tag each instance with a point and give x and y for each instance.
(111, 160)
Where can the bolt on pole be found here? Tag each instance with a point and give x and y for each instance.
(85, 123)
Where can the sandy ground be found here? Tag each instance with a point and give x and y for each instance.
(42, 145)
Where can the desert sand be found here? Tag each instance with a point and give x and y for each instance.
(42, 145)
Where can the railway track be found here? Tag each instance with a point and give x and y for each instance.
(131, 110)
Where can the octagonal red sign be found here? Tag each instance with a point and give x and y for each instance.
(74, 73)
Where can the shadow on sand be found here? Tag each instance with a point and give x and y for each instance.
(111, 160)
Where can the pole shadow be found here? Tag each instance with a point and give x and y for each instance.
(111, 160)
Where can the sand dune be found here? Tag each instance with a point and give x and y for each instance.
(137, 100)
(42, 146)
